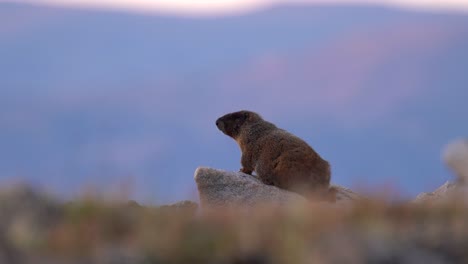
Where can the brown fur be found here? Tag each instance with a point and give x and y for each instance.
(278, 157)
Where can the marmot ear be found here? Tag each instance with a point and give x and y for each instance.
(246, 115)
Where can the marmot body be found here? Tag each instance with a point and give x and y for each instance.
(278, 157)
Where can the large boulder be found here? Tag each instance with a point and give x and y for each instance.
(224, 188)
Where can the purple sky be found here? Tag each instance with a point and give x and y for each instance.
(226, 6)
(94, 98)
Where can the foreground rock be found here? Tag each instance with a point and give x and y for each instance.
(223, 188)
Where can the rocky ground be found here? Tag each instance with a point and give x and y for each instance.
(240, 220)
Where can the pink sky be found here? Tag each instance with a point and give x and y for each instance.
(217, 6)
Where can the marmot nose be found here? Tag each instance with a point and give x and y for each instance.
(220, 124)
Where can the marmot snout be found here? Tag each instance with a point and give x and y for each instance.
(278, 157)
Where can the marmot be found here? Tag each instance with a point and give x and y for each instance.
(278, 157)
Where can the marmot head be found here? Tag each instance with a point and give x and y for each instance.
(231, 123)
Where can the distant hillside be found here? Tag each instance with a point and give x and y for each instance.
(97, 97)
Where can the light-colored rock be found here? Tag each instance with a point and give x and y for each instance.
(345, 195)
(223, 188)
(455, 155)
(440, 193)
(448, 192)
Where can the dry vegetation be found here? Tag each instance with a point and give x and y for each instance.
(38, 230)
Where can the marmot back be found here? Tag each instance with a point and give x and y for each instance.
(278, 157)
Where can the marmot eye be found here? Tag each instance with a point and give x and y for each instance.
(246, 115)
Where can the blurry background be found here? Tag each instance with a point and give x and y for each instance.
(95, 93)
